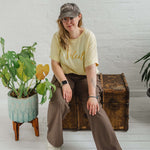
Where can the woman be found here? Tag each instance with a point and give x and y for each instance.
(74, 62)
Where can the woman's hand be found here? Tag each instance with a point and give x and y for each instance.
(92, 106)
(67, 92)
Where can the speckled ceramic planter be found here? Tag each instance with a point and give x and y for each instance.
(23, 109)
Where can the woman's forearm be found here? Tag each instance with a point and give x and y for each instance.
(91, 78)
(58, 71)
(66, 89)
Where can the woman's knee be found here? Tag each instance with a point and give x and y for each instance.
(57, 102)
(57, 96)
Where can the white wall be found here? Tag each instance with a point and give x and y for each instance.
(122, 29)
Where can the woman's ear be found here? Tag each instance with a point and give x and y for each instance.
(80, 16)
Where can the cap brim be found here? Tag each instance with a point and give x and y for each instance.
(68, 14)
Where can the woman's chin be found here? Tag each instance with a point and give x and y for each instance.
(70, 29)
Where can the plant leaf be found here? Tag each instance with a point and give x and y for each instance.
(144, 64)
(42, 71)
(144, 75)
(41, 88)
(5, 77)
(148, 77)
(27, 51)
(44, 98)
(2, 62)
(20, 72)
(28, 66)
(49, 84)
(144, 57)
(2, 41)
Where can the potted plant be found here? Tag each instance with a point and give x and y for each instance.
(25, 79)
(145, 70)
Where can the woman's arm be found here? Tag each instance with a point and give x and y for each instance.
(67, 92)
(58, 71)
(92, 103)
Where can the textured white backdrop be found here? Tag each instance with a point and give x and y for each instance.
(120, 26)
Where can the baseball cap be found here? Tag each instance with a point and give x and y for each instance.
(69, 10)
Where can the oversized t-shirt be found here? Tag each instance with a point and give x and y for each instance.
(81, 53)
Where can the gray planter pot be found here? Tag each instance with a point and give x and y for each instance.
(148, 92)
(23, 109)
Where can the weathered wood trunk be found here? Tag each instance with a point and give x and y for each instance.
(115, 101)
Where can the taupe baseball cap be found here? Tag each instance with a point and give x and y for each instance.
(69, 10)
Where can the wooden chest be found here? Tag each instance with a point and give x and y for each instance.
(76, 119)
(115, 101)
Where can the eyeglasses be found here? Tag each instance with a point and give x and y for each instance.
(64, 20)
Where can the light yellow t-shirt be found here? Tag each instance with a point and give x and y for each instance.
(82, 52)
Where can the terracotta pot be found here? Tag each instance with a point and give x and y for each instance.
(23, 109)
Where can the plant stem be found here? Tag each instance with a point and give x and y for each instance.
(18, 83)
(29, 85)
(14, 89)
(35, 86)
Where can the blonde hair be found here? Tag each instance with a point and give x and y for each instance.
(64, 34)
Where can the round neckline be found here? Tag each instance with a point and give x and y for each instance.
(78, 36)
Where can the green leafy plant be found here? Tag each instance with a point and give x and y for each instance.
(19, 73)
(145, 69)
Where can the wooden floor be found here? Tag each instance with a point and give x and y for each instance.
(136, 138)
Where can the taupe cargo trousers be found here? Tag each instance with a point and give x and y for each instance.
(103, 133)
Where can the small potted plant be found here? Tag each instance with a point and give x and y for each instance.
(19, 73)
(145, 70)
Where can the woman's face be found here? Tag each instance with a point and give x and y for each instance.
(70, 23)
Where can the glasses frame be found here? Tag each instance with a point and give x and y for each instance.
(65, 19)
